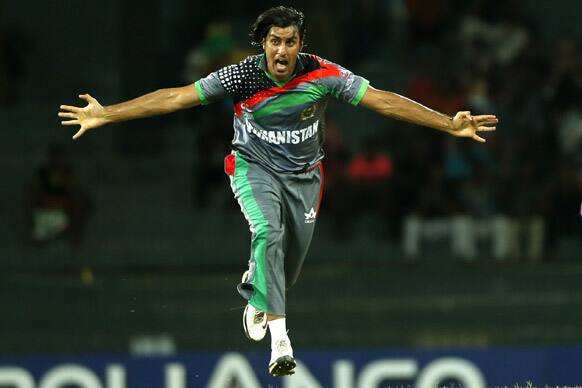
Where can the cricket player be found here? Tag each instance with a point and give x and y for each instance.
(275, 168)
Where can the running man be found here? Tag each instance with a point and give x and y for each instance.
(275, 167)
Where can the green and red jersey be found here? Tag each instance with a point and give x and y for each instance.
(281, 125)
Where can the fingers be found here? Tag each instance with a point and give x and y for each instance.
(71, 122)
(480, 119)
(478, 138)
(70, 108)
(73, 112)
(68, 115)
(464, 115)
(486, 119)
(79, 133)
(74, 109)
(88, 98)
(473, 124)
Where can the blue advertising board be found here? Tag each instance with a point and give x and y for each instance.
(361, 368)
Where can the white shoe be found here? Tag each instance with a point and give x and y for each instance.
(282, 362)
(254, 320)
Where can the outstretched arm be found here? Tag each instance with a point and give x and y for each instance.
(152, 104)
(401, 108)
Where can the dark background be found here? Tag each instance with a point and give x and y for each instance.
(156, 243)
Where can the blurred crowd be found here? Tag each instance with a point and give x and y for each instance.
(523, 190)
(12, 69)
(518, 196)
(57, 207)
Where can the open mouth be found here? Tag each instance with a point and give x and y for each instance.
(281, 65)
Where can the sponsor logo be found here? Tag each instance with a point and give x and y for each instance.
(310, 216)
(236, 367)
(285, 137)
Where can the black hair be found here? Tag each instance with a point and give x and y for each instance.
(277, 17)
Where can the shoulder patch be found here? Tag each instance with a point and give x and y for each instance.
(230, 78)
(244, 79)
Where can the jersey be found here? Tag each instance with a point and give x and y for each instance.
(281, 125)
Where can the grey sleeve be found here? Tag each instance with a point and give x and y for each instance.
(217, 85)
(345, 86)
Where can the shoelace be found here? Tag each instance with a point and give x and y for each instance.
(258, 318)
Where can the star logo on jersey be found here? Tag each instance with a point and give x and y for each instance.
(310, 216)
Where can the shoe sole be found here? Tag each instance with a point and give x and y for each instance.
(245, 278)
(246, 328)
(283, 366)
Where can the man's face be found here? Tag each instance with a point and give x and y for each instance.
(281, 48)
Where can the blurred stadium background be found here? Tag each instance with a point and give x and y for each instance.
(447, 244)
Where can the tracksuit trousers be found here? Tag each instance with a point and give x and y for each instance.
(281, 209)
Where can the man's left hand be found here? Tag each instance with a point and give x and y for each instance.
(466, 125)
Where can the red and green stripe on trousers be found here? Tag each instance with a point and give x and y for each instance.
(300, 193)
(259, 228)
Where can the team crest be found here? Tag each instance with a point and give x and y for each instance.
(308, 112)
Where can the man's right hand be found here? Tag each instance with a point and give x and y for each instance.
(91, 116)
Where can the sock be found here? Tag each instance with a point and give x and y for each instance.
(280, 343)
(278, 328)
